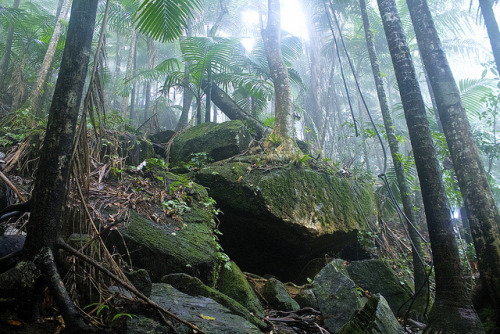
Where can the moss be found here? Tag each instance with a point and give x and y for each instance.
(316, 200)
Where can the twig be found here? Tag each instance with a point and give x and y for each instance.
(126, 285)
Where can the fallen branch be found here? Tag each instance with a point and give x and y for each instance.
(12, 186)
(126, 285)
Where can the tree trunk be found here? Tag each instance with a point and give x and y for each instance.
(128, 74)
(404, 188)
(452, 311)
(492, 28)
(208, 95)
(36, 94)
(50, 190)
(133, 94)
(482, 211)
(116, 75)
(283, 125)
(151, 57)
(187, 98)
(4, 63)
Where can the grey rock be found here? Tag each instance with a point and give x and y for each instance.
(278, 298)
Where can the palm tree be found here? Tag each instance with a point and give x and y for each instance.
(482, 211)
(404, 189)
(452, 310)
(4, 62)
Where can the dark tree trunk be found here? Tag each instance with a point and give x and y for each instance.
(404, 189)
(208, 95)
(51, 185)
(492, 28)
(283, 125)
(4, 63)
(452, 311)
(482, 211)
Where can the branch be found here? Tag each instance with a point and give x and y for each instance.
(12, 186)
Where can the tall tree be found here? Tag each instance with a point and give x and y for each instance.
(36, 93)
(50, 191)
(4, 62)
(492, 28)
(482, 211)
(283, 125)
(452, 311)
(404, 189)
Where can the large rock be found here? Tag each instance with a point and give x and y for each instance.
(219, 141)
(232, 282)
(203, 312)
(127, 145)
(377, 277)
(286, 216)
(337, 295)
(163, 248)
(278, 298)
(374, 318)
(194, 287)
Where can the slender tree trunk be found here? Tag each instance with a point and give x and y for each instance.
(128, 74)
(208, 95)
(50, 191)
(283, 125)
(116, 76)
(482, 211)
(492, 28)
(134, 87)
(36, 94)
(452, 311)
(187, 98)
(404, 188)
(198, 110)
(4, 62)
(151, 57)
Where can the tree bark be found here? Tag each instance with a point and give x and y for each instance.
(151, 57)
(492, 29)
(283, 125)
(482, 211)
(36, 94)
(4, 63)
(50, 189)
(452, 311)
(404, 188)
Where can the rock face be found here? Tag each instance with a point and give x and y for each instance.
(219, 141)
(377, 277)
(337, 296)
(286, 216)
(203, 312)
(375, 317)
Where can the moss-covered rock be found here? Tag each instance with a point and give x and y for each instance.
(278, 298)
(232, 282)
(194, 287)
(377, 277)
(141, 280)
(375, 317)
(337, 295)
(163, 248)
(219, 141)
(127, 145)
(287, 215)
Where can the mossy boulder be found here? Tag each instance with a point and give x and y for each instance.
(219, 141)
(194, 287)
(278, 298)
(337, 295)
(377, 277)
(163, 248)
(287, 216)
(127, 145)
(375, 317)
(141, 280)
(232, 282)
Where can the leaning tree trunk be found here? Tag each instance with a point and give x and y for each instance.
(50, 191)
(404, 189)
(452, 311)
(492, 28)
(283, 125)
(36, 94)
(4, 62)
(482, 211)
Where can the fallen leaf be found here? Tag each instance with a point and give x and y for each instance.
(206, 317)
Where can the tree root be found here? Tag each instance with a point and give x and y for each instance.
(73, 319)
(72, 251)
